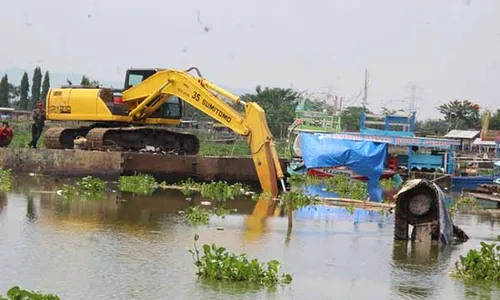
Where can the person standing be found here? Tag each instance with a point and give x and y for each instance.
(5, 134)
(39, 122)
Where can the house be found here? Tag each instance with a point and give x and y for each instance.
(466, 137)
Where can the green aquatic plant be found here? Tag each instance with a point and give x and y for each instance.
(218, 264)
(294, 200)
(388, 184)
(266, 195)
(217, 191)
(143, 184)
(189, 187)
(5, 180)
(221, 191)
(351, 208)
(68, 191)
(482, 264)
(91, 187)
(88, 188)
(346, 188)
(15, 293)
(301, 180)
(196, 215)
(463, 203)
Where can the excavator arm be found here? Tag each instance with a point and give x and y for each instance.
(200, 93)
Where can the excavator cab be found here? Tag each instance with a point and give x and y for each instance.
(171, 109)
(136, 76)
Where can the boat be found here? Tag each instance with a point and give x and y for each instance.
(461, 183)
(487, 195)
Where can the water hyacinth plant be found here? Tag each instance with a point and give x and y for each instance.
(196, 215)
(143, 184)
(16, 293)
(482, 264)
(217, 191)
(87, 188)
(218, 264)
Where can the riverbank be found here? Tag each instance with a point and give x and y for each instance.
(111, 165)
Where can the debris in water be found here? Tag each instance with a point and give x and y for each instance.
(219, 228)
(206, 202)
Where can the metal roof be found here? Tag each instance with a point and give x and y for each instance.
(462, 134)
(480, 142)
(393, 140)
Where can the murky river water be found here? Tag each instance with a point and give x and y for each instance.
(137, 249)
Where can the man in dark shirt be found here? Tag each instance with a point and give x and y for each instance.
(39, 123)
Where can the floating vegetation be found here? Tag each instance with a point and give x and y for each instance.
(143, 184)
(351, 208)
(483, 264)
(463, 203)
(196, 215)
(189, 187)
(221, 191)
(346, 188)
(15, 293)
(219, 264)
(262, 196)
(297, 180)
(5, 180)
(388, 184)
(88, 187)
(294, 200)
(217, 191)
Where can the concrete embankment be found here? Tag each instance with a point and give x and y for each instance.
(111, 165)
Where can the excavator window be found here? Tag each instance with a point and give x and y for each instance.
(135, 79)
(136, 76)
(171, 109)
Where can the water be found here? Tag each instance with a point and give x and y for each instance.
(137, 249)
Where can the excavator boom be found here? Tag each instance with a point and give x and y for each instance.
(202, 94)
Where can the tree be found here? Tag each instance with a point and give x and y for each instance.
(388, 112)
(87, 82)
(14, 92)
(461, 114)
(279, 105)
(351, 116)
(431, 127)
(23, 92)
(45, 85)
(495, 121)
(4, 91)
(35, 88)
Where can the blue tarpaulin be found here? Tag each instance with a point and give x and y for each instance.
(363, 157)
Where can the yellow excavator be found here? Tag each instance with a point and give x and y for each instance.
(149, 106)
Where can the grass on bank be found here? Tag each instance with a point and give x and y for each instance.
(22, 136)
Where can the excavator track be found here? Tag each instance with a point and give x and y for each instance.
(62, 138)
(123, 139)
(137, 138)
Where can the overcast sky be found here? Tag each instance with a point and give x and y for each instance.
(450, 48)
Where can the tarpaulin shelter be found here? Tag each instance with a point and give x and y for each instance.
(366, 158)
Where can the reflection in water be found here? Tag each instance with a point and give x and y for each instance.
(475, 290)
(3, 202)
(31, 209)
(135, 247)
(418, 261)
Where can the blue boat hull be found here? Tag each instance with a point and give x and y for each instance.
(463, 182)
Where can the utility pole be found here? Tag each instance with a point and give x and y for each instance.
(413, 97)
(365, 90)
